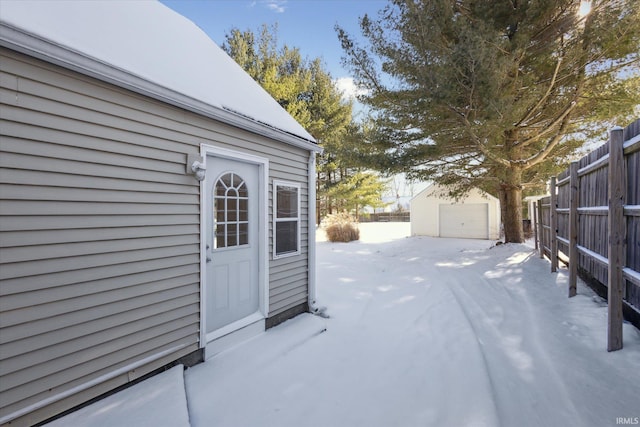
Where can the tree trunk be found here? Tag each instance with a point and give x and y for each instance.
(511, 206)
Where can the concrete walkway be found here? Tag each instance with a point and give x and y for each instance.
(162, 400)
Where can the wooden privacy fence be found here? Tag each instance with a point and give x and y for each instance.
(591, 222)
(385, 217)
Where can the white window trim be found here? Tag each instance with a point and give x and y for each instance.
(281, 183)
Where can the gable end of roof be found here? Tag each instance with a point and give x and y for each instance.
(22, 40)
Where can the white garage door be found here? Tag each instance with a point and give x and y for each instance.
(469, 220)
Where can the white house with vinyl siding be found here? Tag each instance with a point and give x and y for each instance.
(156, 203)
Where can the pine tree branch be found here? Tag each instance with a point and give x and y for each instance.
(550, 127)
(563, 120)
(477, 141)
(543, 98)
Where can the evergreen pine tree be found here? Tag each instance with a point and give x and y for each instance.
(308, 93)
(494, 94)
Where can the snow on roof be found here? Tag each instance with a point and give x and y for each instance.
(147, 42)
(441, 191)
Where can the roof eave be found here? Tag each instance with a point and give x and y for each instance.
(26, 43)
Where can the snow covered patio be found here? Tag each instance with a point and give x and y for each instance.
(423, 332)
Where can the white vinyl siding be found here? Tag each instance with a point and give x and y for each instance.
(100, 232)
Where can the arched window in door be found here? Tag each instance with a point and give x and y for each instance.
(231, 211)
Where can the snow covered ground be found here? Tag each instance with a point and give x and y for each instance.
(423, 332)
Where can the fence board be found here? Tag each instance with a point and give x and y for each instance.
(574, 201)
(554, 225)
(617, 228)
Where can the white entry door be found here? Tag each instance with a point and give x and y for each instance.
(232, 242)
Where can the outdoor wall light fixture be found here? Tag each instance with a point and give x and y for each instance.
(195, 166)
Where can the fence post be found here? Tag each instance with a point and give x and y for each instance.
(554, 226)
(534, 205)
(573, 228)
(616, 225)
(540, 229)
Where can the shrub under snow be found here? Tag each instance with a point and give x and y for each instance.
(341, 227)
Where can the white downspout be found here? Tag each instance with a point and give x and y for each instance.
(312, 232)
(313, 307)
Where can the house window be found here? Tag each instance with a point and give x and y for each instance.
(231, 212)
(286, 219)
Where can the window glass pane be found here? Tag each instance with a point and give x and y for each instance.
(286, 237)
(220, 235)
(243, 210)
(223, 183)
(227, 180)
(219, 209)
(232, 235)
(242, 190)
(232, 209)
(287, 203)
(243, 231)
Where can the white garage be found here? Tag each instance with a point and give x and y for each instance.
(476, 216)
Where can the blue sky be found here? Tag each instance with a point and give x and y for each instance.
(305, 24)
